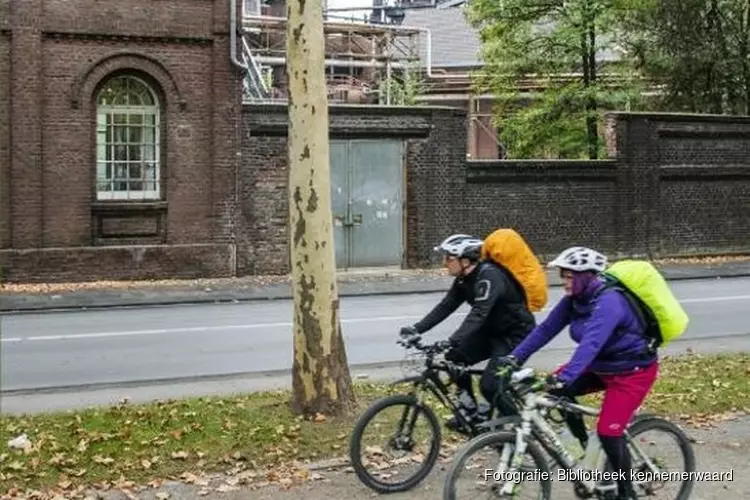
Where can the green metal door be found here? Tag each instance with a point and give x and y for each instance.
(367, 180)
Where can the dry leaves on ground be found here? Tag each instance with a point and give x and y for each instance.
(706, 260)
(206, 284)
(253, 440)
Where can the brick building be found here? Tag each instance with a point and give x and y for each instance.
(119, 126)
(126, 152)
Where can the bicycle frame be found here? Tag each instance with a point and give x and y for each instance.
(429, 381)
(533, 423)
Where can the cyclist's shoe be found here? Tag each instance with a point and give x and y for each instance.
(628, 496)
(484, 412)
(454, 425)
(611, 495)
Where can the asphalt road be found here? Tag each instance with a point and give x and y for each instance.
(69, 359)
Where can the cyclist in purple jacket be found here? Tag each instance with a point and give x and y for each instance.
(613, 354)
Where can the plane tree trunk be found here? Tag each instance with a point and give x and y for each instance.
(321, 382)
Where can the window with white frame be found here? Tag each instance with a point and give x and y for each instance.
(127, 141)
(251, 8)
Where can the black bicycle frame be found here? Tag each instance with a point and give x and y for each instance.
(430, 380)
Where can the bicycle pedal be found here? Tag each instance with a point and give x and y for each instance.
(453, 425)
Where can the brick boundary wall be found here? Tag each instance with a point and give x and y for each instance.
(674, 185)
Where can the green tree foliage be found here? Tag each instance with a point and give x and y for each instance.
(553, 65)
(698, 50)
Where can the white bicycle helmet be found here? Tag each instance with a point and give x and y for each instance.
(461, 245)
(580, 259)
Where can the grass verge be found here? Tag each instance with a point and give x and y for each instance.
(140, 444)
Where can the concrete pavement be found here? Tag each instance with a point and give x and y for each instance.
(254, 288)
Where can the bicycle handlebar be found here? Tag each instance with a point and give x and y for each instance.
(431, 350)
(526, 381)
(415, 342)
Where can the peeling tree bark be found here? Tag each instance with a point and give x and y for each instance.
(321, 382)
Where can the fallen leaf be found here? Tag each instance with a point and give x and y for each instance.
(128, 494)
(162, 495)
(180, 455)
(189, 478)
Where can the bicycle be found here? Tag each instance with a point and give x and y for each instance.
(428, 381)
(532, 432)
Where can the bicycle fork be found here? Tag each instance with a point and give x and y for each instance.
(522, 432)
(404, 430)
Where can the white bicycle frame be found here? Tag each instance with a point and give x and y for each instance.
(532, 417)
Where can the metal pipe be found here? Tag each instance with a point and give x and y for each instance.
(248, 19)
(233, 35)
(357, 64)
(342, 63)
(349, 25)
(256, 70)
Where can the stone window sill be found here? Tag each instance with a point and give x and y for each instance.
(129, 223)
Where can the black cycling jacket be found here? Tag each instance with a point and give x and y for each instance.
(498, 305)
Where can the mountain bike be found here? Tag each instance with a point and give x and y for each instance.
(533, 433)
(414, 404)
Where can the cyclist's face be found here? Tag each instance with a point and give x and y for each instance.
(452, 264)
(567, 279)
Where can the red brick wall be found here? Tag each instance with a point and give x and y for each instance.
(26, 150)
(59, 54)
(79, 65)
(164, 18)
(4, 134)
(677, 185)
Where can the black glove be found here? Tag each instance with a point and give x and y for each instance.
(443, 345)
(506, 365)
(408, 331)
(554, 385)
(455, 354)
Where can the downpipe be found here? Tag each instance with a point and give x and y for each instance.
(238, 134)
(233, 36)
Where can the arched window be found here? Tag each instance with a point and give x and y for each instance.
(127, 141)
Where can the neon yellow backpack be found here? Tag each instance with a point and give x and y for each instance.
(652, 299)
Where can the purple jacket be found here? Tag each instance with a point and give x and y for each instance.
(607, 332)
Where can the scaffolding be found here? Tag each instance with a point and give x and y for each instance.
(362, 58)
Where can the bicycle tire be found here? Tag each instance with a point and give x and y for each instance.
(652, 422)
(497, 437)
(355, 445)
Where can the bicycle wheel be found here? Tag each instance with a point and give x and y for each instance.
(497, 440)
(401, 441)
(645, 483)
